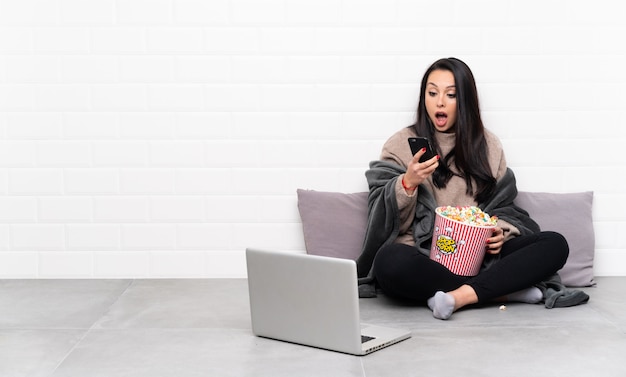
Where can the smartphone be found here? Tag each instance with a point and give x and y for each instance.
(417, 143)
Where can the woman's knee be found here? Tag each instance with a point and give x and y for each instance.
(388, 259)
(558, 245)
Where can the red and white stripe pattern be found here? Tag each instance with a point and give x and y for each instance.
(458, 246)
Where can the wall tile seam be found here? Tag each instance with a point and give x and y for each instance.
(124, 223)
(299, 25)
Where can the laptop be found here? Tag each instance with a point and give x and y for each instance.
(313, 301)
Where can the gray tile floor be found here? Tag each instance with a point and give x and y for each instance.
(84, 328)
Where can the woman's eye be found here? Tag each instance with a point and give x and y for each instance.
(432, 94)
(451, 95)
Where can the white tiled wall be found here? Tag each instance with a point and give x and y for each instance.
(159, 138)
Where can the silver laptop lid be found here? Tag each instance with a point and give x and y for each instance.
(306, 299)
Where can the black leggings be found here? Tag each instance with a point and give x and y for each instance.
(402, 271)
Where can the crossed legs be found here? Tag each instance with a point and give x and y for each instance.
(402, 271)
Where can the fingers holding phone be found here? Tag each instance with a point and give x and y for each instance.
(423, 164)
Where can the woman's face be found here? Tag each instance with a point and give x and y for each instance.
(441, 100)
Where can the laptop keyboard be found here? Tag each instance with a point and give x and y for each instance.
(366, 338)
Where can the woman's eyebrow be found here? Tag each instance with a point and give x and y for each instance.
(447, 87)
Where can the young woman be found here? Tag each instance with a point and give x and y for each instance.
(469, 170)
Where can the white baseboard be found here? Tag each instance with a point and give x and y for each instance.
(610, 262)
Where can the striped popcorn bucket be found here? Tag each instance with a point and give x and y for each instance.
(459, 246)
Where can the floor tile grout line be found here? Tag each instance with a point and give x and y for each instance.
(609, 320)
(95, 322)
(107, 310)
(363, 367)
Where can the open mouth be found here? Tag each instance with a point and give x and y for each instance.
(441, 118)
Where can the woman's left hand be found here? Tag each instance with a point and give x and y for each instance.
(496, 241)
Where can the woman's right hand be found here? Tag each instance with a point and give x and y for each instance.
(417, 172)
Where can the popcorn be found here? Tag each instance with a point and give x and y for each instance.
(468, 215)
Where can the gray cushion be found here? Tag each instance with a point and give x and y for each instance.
(334, 225)
(571, 215)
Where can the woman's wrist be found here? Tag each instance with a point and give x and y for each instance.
(406, 187)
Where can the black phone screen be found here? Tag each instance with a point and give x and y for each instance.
(417, 143)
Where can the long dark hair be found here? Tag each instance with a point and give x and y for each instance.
(469, 154)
